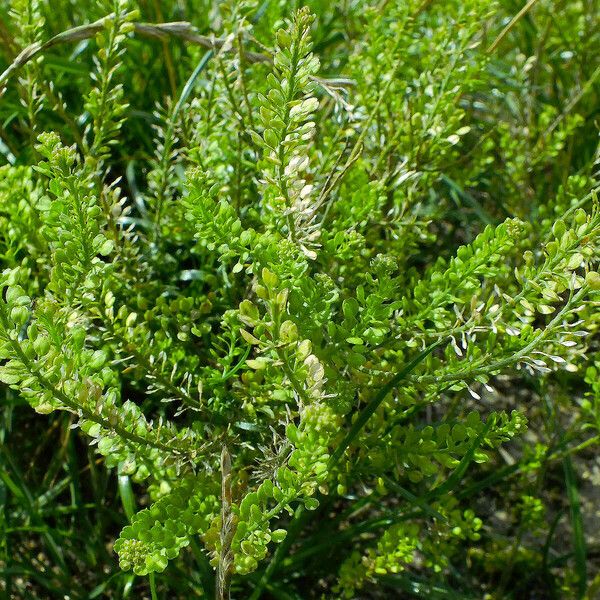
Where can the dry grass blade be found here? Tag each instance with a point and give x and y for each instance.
(178, 29)
(225, 567)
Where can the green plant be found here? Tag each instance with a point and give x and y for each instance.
(311, 298)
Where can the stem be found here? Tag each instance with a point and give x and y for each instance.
(152, 580)
(281, 150)
(500, 364)
(228, 526)
(78, 409)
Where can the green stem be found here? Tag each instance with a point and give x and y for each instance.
(497, 366)
(78, 409)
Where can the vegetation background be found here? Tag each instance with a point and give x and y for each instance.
(436, 121)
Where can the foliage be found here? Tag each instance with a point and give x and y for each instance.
(319, 284)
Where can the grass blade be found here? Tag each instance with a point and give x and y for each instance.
(368, 411)
(421, 588)
(127, 497)
(579, 545)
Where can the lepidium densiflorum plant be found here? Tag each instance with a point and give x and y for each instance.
(298, 301)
